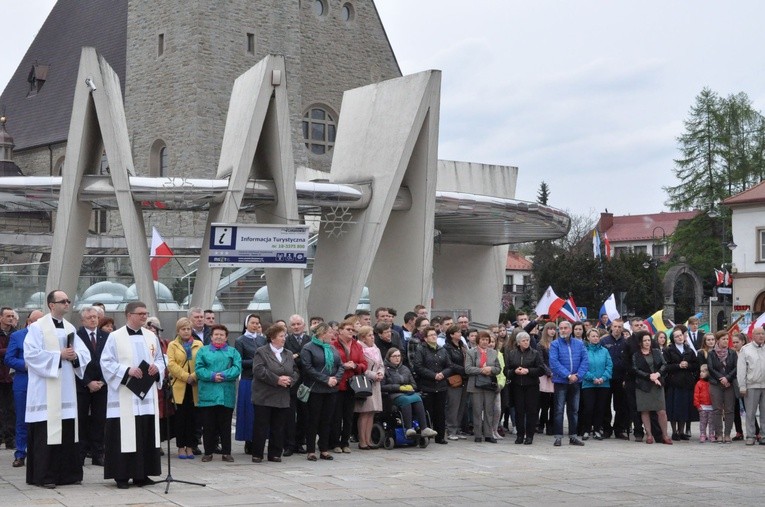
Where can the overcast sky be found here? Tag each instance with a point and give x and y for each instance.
(586, 95)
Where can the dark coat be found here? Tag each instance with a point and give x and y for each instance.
(528, 358)
(395, 377)
(457, 357)
(395, 341)
(681, 378)
(717, 369)
(266, 370)
(313, 372)
(247, 347)
(428, 363)
(93, 370)
(642, 370)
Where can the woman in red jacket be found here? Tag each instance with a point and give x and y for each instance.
(354, 362)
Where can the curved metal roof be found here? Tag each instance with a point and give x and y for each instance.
(460, 217)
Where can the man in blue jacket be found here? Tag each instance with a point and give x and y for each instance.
(569, 363)
(14, 358)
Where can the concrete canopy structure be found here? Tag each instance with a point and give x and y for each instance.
(389, 136)
(279, 160)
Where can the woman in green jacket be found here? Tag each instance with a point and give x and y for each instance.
(218, 366)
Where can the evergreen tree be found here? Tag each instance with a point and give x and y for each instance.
(699, 167)
(543, 194)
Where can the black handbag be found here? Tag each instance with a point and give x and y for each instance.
(486, 382)
(361, 386)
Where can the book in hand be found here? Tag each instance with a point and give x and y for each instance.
(141, 386)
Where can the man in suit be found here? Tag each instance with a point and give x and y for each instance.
(296, 420)
(696, 336)
(200, 330)
(91, 390)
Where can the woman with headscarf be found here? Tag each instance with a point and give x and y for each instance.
(322, 370)
(722, 363)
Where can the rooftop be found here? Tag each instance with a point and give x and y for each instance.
(517, 262)
(754, 195)
(642, 227)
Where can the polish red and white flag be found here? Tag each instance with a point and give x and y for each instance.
(160, 253)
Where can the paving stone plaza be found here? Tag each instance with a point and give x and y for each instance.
(461, 473)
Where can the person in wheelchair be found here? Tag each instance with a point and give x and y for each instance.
(399, 385)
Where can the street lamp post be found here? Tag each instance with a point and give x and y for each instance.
(655, 277)
(653, 240)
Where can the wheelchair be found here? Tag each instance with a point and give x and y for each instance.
(388, 430)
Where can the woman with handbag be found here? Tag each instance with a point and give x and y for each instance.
(456, 395)
(649, 367)
(524, 367)
(354, 363)
(181, 361)
(432, 367)
(375, 372)
(322, 370)
(482, 368)
(273, 373)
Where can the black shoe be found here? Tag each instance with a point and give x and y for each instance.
(144, 482)
(275, 459)
(622, 436)
(676, 437)
(98, 461)
(575, 441)
(18, 462)
(196, 451)
(442, 441)
(301, 450)
(491, 440)
(549, 432)
(686, 436)
(255, 459)
(519, 440)
(248, 447)
(528, 441)
(478, 439)
(557, 442)
(122, 484)
(287, 453)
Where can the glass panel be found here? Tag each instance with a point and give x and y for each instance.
(318, 114)
(317, 149)
(346, 13)
(318, 7)
(331, 133)
(317, 132)
(305, 130)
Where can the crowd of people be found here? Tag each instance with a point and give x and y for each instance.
(113, 395)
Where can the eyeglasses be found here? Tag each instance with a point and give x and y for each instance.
(63, 302)
(141, 314)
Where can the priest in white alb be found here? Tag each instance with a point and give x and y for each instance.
(131, 440)
(53, 357)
